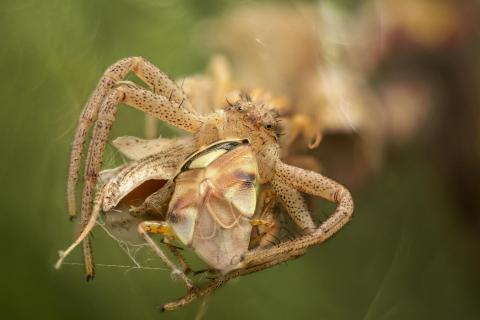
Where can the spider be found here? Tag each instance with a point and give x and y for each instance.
(242, 120)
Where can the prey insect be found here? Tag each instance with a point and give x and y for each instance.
(243, 120)
(210, 209)
(214, 201)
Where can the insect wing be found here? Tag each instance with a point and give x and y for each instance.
(228, 199)
(221, 248)
(214, 199)
(234, 177)
(183, 209)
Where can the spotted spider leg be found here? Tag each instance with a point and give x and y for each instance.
(151, 75)
(144, 228)
(161, 165)
(286, 177)
(295, 205)
(315, 184)
(169, 105)
(159, 106)
(215, 284)
(266, 221)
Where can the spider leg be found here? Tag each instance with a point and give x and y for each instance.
(147, 101)
(295, 205)
(151, 75)
(222, 280)
(299, 212)
(176, 251)
(315, 184)
(88, 226)
(100, 134)
(158, 227)
(260, 259)
(301, 125)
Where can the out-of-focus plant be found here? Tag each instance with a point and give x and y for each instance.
(358, 81)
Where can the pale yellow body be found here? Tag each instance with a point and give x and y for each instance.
(213, 203)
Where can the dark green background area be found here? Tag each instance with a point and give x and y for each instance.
(404, 256)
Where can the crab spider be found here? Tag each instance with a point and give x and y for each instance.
(242, 120)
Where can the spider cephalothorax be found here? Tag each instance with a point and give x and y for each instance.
(246, 119)
(257, 118)
(243, 120)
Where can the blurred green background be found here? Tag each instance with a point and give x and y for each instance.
(409, 253)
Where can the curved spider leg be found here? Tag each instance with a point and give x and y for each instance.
(301, 126)
(161, 227)
(156, 105)
(295, 205)
(312, 183)
(260, 259)
(113, 74)
(196, 293)
(151, 75)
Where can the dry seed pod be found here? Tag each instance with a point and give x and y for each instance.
(213, 202)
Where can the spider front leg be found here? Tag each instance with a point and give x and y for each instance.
(156, 105)
(287, 181)
(267, 220)
(312, 183)
(158, 82)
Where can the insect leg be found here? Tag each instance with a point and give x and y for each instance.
(256, 260)
(176, 251)
(163, 228)
(301, 125)
(265, 224)
(89, 115)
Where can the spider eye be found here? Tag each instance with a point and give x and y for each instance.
(240, 108)
(268, 126)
